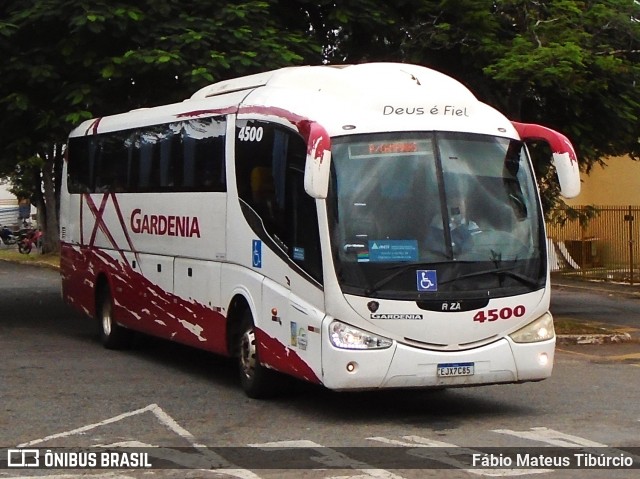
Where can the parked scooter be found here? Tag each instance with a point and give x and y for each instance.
(29, 240)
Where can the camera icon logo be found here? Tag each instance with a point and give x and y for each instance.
(23, 458)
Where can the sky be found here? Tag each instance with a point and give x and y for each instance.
(4, 193)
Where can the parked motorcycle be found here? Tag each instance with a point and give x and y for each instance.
(29, 240)
(8, 237)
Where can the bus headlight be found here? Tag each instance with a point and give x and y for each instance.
(344, 336)
(539, 330)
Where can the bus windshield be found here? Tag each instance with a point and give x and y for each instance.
(435, 215)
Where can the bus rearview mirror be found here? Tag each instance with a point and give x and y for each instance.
(318, 162)
(564, 156)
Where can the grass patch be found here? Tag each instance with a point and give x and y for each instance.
(13, 255)
(573, 326)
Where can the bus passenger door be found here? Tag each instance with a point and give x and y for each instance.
(269, 167)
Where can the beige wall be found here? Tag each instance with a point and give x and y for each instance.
(617, 184)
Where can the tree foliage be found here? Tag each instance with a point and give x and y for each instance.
(68, 60)
(572, 65)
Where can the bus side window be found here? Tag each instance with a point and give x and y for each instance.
(204, 155)
(270, 179)
(170, 154)
(303, 236)
(254, 174)
(111, 162)
(263, 191)
(79, 179)
(149, 159)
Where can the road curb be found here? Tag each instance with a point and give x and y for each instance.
(42, 264)
(597, 286)
(574, 339)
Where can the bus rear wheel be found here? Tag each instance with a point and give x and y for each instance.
(112, 335)
(257, 381)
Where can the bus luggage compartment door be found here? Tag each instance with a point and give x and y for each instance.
(292, 330)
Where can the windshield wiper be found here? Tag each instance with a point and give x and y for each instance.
(497, 271)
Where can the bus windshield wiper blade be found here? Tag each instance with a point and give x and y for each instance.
(497, 271)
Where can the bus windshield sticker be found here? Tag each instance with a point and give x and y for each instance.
(256, 256)
(298, 253)
(302, 339)
(427, 280)
(294, 333)
(393, 250)
(363, 256)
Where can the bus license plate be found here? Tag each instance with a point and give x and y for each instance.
(455, 369)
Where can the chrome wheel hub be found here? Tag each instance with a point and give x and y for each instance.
(248, 353)
(106, 319)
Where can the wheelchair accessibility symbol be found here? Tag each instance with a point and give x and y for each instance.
(427, 280)
(256, 255)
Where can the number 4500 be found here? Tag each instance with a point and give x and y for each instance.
(250, 133)
(495, 314)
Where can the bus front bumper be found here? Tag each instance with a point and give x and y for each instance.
(403, 366)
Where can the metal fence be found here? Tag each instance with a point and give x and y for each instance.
(604, 247)
(8, 211)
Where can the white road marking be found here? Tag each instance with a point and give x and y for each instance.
(333, 459)
(101, 475)
(549, 436)
(560, 439)
(327, 458)
(89, 427)
(417, 442)
(216, 461)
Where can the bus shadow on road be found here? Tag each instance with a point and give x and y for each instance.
(411, 406)
(415, 406)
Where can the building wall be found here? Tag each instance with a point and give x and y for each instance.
(8, 207)
(617, 184)
(5, 195)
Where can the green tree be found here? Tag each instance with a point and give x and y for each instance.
(351, 31)
(574, 65)
(571, 65)
(68, 60)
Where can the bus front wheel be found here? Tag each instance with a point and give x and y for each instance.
(257, 381)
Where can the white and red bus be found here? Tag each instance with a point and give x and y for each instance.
(360, 227)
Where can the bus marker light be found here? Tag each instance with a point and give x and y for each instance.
(352, 367)
(543, 359)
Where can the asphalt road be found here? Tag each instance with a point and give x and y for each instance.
(60, 388)
(596, 302)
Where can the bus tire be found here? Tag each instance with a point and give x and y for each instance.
(112, 335)
(257, 381)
